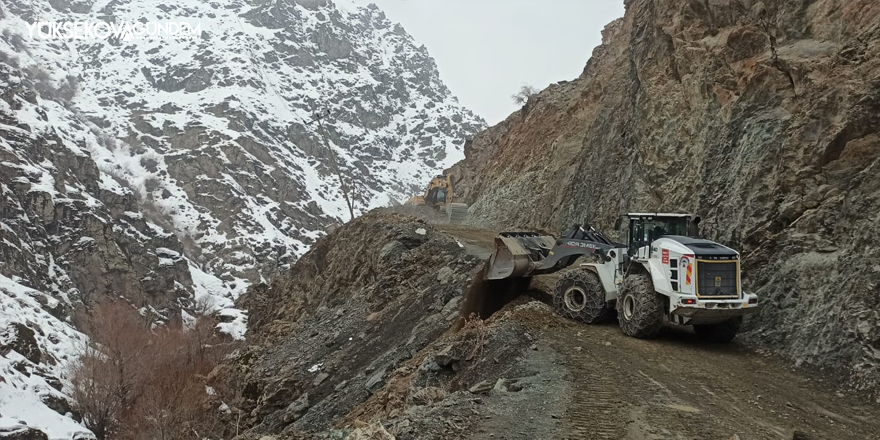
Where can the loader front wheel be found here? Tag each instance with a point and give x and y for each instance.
(639, 307)
(579, 295)
(720, 332)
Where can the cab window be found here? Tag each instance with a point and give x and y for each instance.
(655, 228)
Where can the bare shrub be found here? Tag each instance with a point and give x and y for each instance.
(18, 43)
(473, 335)
(522, 96)
(112, 366)
(68, 89)
(156, 213)
(11, 60)
(151, 184)
(42, 81)
(136, 382)
(204, 306)
(175, 405)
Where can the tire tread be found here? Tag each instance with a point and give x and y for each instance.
(596, 310)
(648, 314)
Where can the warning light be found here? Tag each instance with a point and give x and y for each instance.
(753, 300)
(690, 301)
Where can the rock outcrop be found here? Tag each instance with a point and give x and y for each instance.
(352, 311)
(762, 117)
(68, 229)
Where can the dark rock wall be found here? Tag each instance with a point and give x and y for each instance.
(67, 234)
(762, 117)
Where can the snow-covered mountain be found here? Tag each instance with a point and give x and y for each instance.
(167, 170)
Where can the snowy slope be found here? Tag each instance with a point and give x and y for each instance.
(167, 172)
(217, 132)
(27, 386)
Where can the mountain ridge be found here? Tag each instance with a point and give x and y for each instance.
(174, 173)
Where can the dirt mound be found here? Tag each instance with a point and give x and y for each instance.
(353, 310)
(440, 393)
(527, 373)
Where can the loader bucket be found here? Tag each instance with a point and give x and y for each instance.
(517, 254)
(485, 297)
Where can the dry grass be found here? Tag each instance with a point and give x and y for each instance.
(473, 336)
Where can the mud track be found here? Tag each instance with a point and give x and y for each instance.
(671, 387)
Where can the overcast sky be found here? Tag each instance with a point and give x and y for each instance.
(487, 49)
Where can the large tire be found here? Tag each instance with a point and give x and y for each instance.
(639, 307)
(720, 332)
(579, 295)
(457, 212)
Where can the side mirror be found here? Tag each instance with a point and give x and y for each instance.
(617, 223)
(697, 220)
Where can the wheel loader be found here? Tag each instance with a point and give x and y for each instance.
(663, 273)
(440, 195)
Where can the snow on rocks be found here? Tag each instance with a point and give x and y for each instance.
(33, 371)
(173, 173)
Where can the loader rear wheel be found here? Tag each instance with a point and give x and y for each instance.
(639, 307)
(579, 295)
(457, 212)
(720, 332)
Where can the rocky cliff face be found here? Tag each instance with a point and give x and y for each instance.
(760, 116)
(168, 171)
(334, 329)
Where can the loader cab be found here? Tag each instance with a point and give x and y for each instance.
(438, 191)
(644, 228)
(440, 196)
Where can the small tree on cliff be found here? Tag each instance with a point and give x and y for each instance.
(522, 96)
(112, 366)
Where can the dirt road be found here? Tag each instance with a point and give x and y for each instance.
(592, 382)
(676, 387)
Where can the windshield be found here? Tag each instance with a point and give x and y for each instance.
(648, 229)
(666, 226)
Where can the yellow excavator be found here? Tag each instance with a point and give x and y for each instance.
(440, 195)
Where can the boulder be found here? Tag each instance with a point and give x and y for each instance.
(23, 340)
